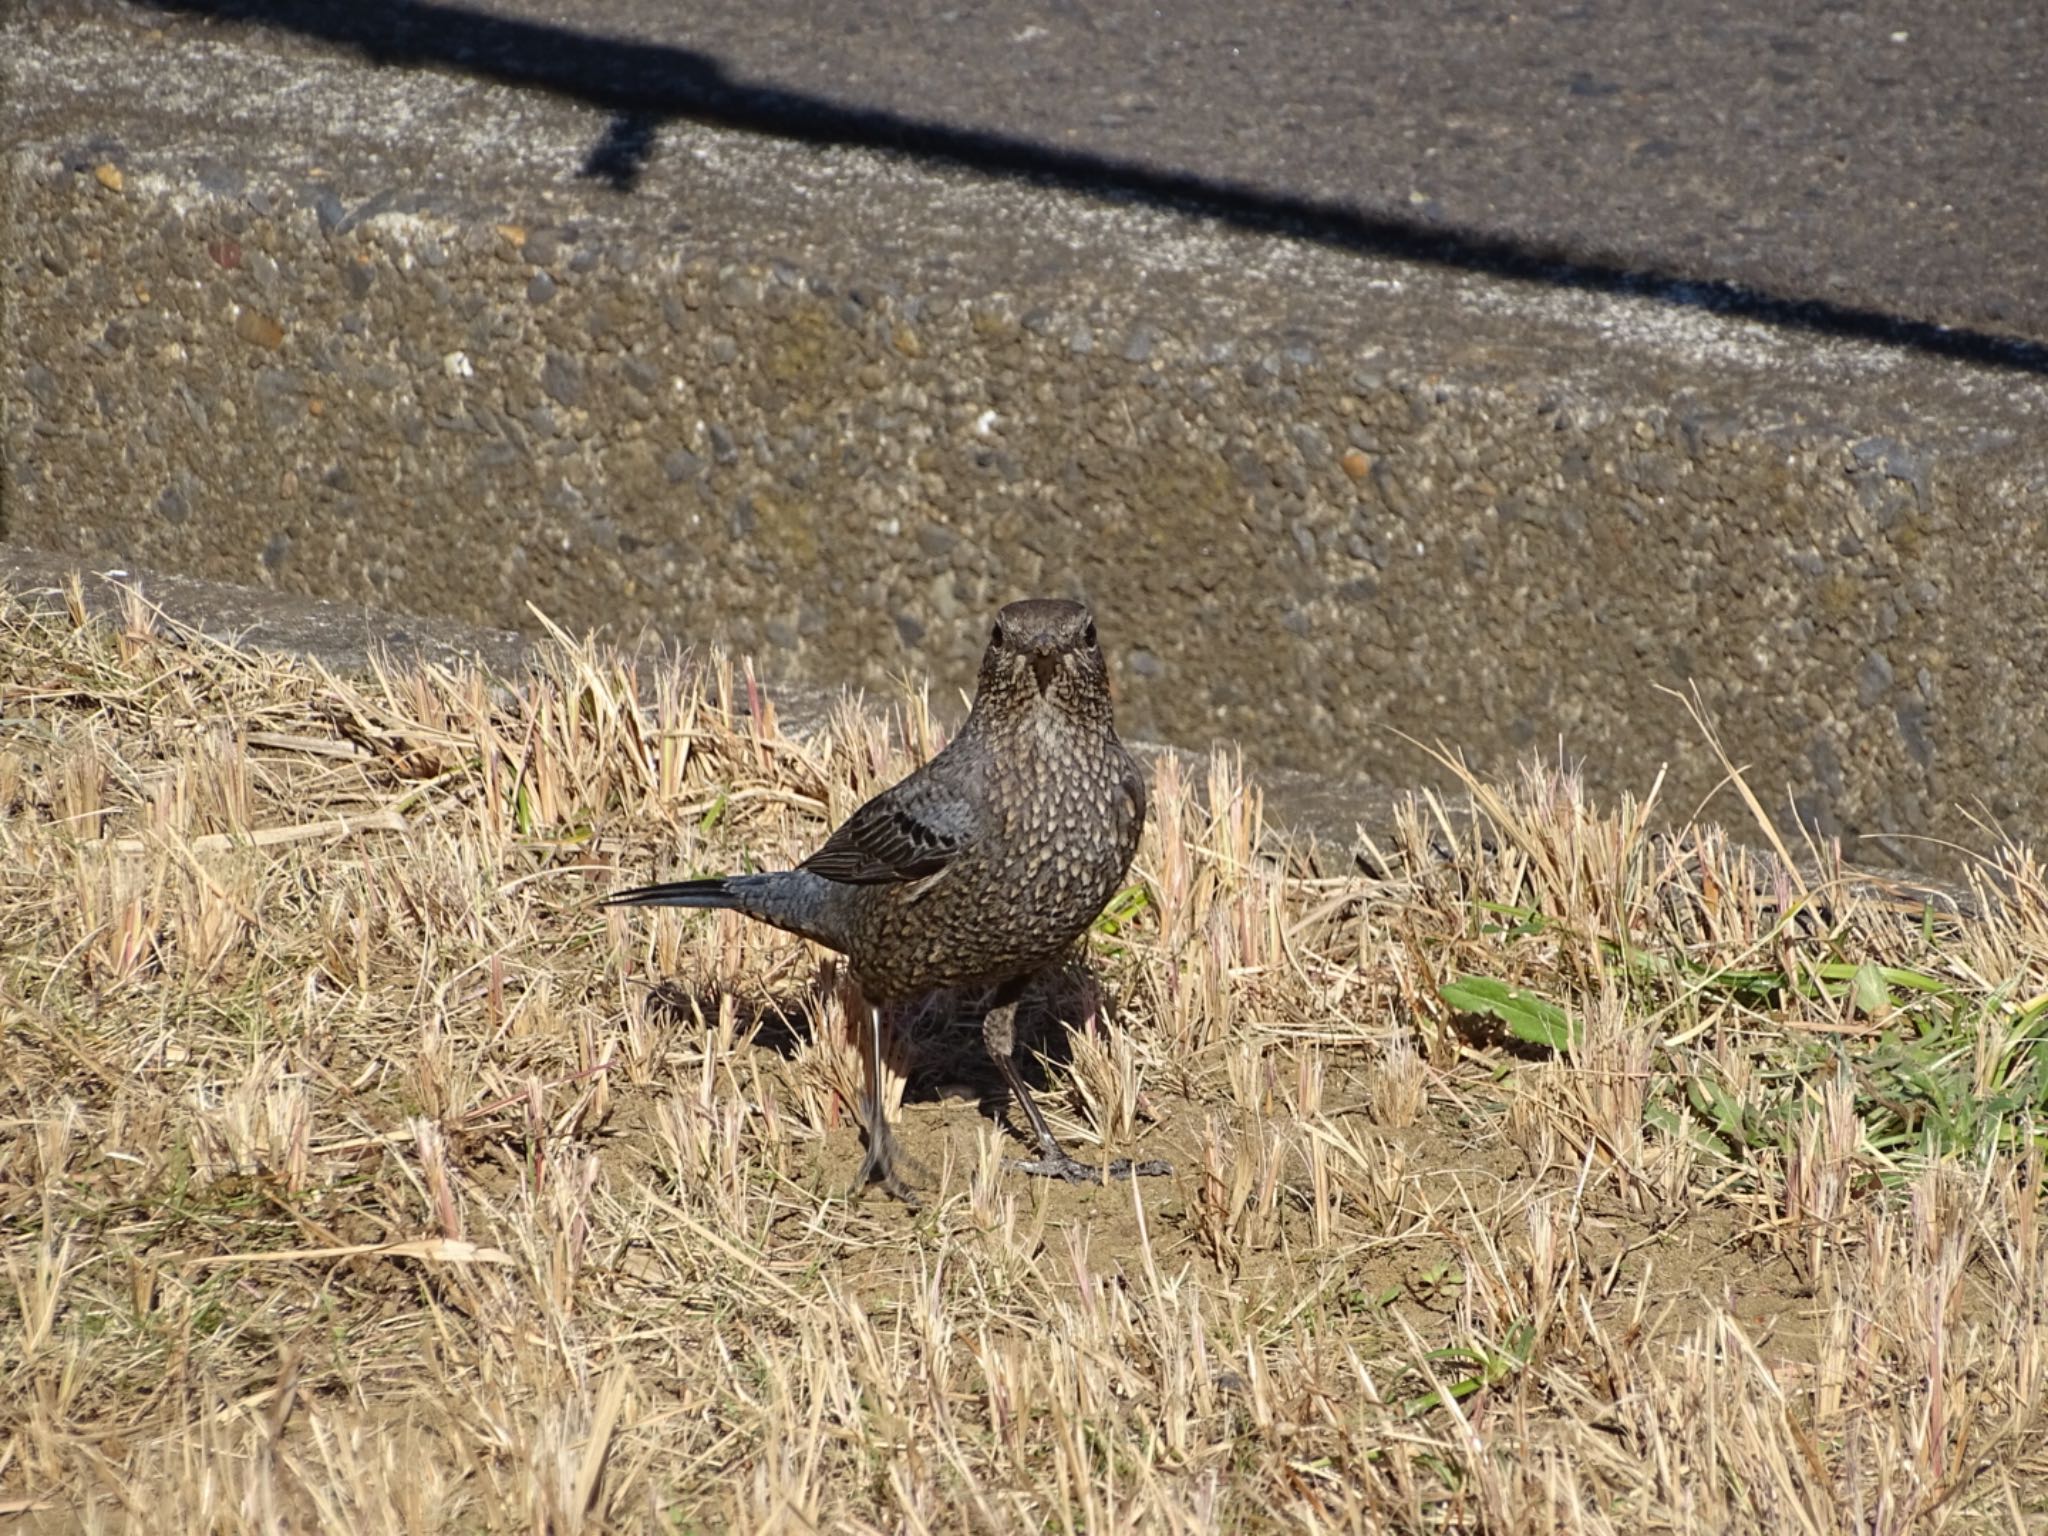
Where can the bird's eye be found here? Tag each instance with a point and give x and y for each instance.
(995, 635)
(1088, 635)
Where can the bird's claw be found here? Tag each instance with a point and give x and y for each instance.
(897, 1189)
(1064, 1165)
(879, 1167)
(1151, 1168)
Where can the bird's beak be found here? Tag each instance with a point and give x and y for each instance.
(1043, 665)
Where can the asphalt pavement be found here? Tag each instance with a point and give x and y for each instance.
(1873, 169)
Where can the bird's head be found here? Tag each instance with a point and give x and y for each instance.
(1042, 653)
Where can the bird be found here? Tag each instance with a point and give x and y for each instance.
(980, 869)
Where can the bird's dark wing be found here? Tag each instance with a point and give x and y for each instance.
(905, 833)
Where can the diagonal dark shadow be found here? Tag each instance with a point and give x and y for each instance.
(644, 84)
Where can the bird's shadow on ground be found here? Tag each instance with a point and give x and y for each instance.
(782, 1022)
(934, 1041)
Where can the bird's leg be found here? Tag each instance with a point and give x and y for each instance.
(880, 1164)
(999, 1034)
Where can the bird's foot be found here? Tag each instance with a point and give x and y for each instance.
(1063, 1165)
(879, 1167)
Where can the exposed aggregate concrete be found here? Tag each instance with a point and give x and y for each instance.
(835, 409)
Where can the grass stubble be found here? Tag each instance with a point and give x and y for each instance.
(358, 1174)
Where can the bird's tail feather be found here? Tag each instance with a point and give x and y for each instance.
(717, 891)
(794, 899)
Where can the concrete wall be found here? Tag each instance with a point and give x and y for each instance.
(835, 406)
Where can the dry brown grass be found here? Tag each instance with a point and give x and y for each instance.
(360, 1175)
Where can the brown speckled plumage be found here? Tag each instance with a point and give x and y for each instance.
(984, 865)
